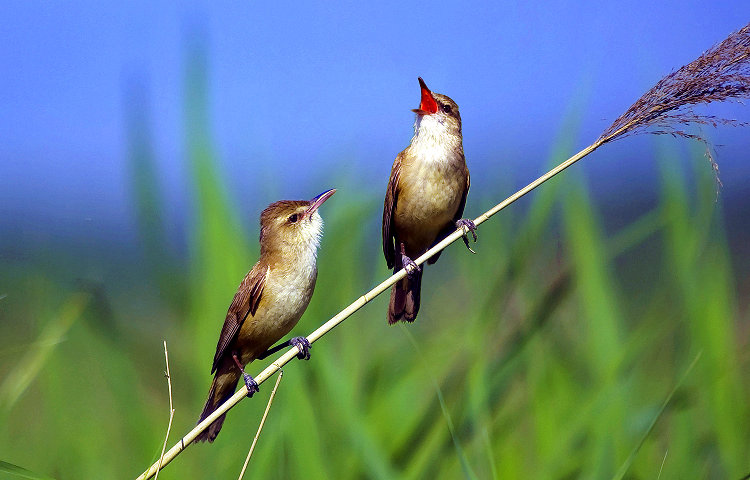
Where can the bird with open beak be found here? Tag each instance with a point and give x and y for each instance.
(425, 197)
(270, 300)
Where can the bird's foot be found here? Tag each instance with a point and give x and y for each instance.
(409, 265)
(304, 347)
(468, 227)
(250, 383)
(300, 342)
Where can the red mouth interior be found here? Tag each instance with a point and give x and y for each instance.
(428, 104)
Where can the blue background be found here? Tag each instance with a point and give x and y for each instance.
(303, 94)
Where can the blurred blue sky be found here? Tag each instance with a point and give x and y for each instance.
(298, 88)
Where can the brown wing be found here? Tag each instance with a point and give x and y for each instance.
(389, 207)
(460, 212)
(245, 302)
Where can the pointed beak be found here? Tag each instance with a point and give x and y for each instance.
(428, 105)
(316, 202)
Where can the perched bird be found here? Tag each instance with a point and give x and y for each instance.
(270, 300)
(425, 198)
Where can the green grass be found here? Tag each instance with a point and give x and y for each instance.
(561, 350)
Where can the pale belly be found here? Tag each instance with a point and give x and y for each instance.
(426, 204)
(286, 297)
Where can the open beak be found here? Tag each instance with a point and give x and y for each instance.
(428, 105)
(316, 202)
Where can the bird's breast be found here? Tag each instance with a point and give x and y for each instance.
(430, 190)
(292, 289)
(286, 294)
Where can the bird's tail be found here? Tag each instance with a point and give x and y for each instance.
(222, 388)
(405, 298)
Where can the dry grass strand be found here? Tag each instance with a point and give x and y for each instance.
(260, 427)
(721, 73)
(171, 411)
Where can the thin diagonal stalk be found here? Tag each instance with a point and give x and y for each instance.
(290, 354)
(260, 427)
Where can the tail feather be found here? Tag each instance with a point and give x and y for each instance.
(405, 295)
(412, 297)
(223, 387)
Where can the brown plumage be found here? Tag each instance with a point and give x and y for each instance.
(271, 298)
(425, 197)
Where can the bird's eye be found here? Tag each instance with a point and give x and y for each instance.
(293, 218)
(447, 108)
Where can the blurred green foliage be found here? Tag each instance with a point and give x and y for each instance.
(559, 351)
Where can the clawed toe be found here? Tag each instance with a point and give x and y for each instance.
(467, 226)
(304, 347)
(410, 265)
(251, 384)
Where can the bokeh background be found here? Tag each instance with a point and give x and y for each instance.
(600, 332)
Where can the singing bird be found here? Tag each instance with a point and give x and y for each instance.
(425, 197)
(270, 300)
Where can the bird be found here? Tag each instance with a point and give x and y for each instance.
(425, 198)
(270, 300)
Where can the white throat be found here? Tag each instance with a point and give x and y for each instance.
(434, 140)
(307, 250)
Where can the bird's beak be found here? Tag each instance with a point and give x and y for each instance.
(316, 202)
(428, 105)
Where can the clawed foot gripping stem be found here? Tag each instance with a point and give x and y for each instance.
(467, 226)
(250, 383)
